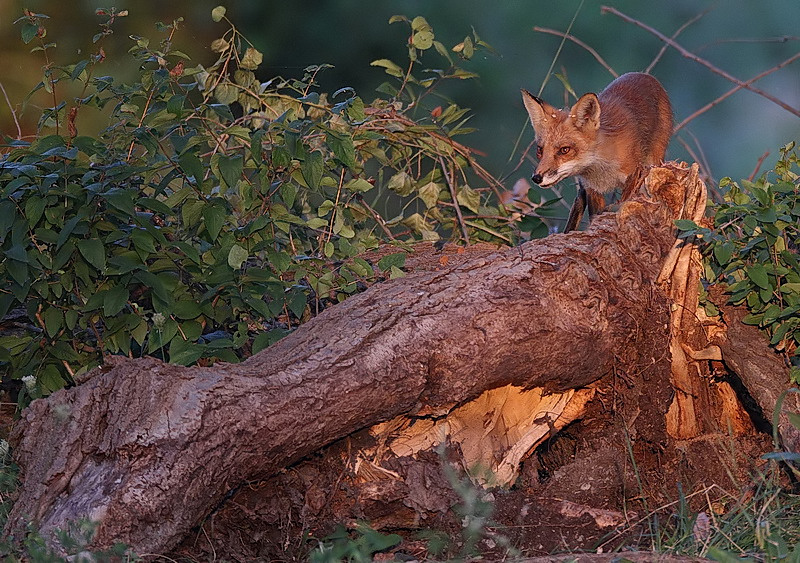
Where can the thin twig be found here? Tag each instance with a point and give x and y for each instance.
(758, 166)
(691, 56)
(779, 39)
(703, 158)
(13, 113)
(378, 219)
(733, 90)
(560, 46)
(452, 188)
(705, 169)
(577, 41)
(674, 36)
(335, 211)
(695, 157)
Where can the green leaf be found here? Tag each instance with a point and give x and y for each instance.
(175, 105)
(18, 253)
(154, 283)
(266, 339)
(184, 353)
(94, 252)
(280, 261)
(226, 93)
(390, 67)
(686, 225)
(53, 320)
(143, 241)
(34, 208)
(115, 300)
(185, 309)
(8, 213)
(192, 166)
(122, 200)
(50, 379)
(214, 218)
(724, 556)
(343, 148)
(423, 39)
(767, 215)
(758, 275)
(258, 306)
(780, 332)
(71, 318)
(355, 111)
(237, 256)
(535, 226)
(723, 252)
(288, 194)
(66, 230)
(231, 169)
(469, 198)
(29, 31)
(398, 259)
(297, 303)
(751, 319)
(359, 185)
(761, 195)
(312, 169)
(417, 222)
(792, 287)
(218, 13)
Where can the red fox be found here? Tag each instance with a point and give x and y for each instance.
(603, 139)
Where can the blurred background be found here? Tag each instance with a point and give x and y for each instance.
(741, 37)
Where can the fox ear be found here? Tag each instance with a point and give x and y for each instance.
(538, 110)
(586, 112)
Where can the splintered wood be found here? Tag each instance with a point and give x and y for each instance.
(699, 405)
(494, 432)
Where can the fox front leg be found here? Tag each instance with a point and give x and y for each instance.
(576, 211)
(585, 198)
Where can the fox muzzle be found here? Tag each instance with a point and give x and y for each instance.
(537, 178)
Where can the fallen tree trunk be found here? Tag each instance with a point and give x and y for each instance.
(146, 449)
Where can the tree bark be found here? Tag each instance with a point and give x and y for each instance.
(764, 373)
(146, 449)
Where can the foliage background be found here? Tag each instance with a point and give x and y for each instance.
(730, 139)
(739, 36)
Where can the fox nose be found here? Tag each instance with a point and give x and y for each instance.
(537, 178)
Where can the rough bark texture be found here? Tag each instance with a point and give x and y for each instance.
(146, 449)
(763, 372)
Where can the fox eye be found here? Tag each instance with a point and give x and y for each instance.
(539, 151)
(564, 150)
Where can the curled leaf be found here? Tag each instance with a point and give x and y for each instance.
(251, 59)
(218, 13)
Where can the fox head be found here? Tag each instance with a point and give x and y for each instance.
(565, 139)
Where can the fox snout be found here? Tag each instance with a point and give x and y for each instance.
(537, 178)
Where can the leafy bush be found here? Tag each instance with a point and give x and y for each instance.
(217, 211)
(753, 248)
